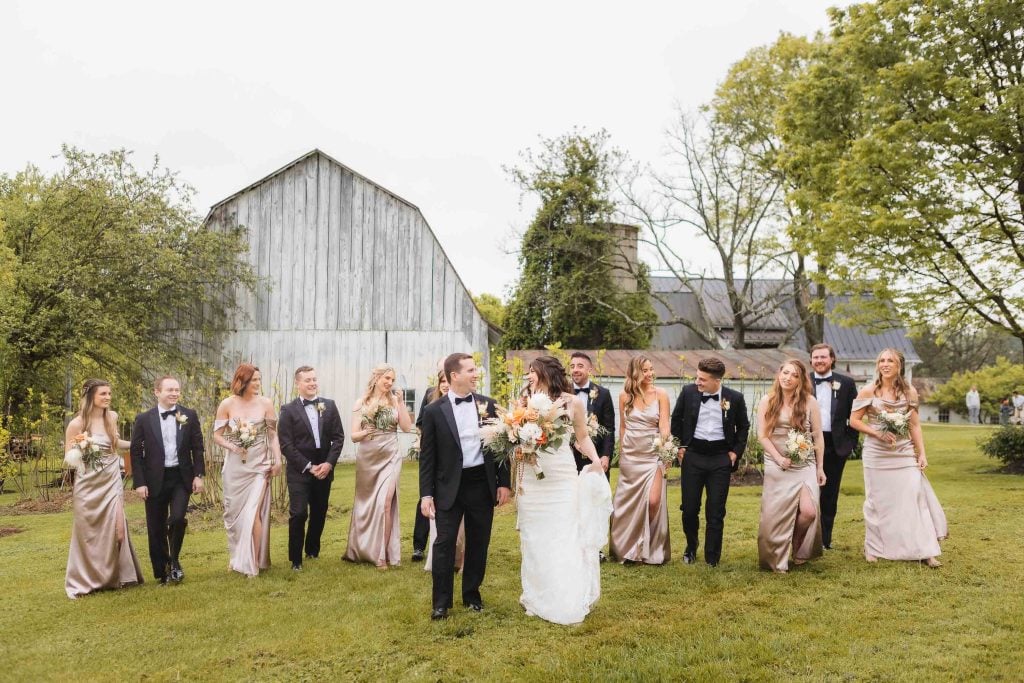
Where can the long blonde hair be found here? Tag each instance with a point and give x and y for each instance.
(371, 385)
(85, 407)
(899, 383)
(776, 398)
(634, 380)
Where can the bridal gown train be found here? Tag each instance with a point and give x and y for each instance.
(563, 524)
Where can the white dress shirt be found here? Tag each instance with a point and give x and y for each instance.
(584, 396)
(314, 420)
(468, 422)
(823, 392)
(709, 420)
(169, 432)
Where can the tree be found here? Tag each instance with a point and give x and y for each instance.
(945, 349)
(491, 308)
(906, 139)
(110, 262)
(567, 291)
(995, 383)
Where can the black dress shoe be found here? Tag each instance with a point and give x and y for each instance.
(417, 555)
(689, 557)
(475, 606)
(311, 557)
(162, 581)
(439, 613)
(296, 567)
(177, 573)
(712, 563)
(826, 546)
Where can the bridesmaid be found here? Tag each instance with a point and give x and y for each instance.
(373, 534)
(640, 510)
(790, 508)
(902, 516)
(248, 469)
(101, 553)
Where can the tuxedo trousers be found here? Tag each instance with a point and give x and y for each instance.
(474, 505)
(307, 499)
(706, 468)
(833, 464)
(420, 529)
(166, 522)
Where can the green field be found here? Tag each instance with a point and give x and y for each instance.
(836, 619)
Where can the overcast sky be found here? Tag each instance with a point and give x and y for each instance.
(428, 99)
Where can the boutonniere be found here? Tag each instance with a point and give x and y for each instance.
(481, 409)
(835, 385)
(321, 407)
(725, 405)
(181, 419)
(593, 393)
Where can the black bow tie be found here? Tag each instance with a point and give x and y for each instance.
(581, 390)
(308, 402)
(164, 414)
(467, 399)
(819, 380)
(704, 398)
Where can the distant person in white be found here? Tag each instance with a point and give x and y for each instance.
(973, 405)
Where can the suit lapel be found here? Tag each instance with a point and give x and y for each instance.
(158, 433)
(449, 416)
(305, 418)
(179, 431)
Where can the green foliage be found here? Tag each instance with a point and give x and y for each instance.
(1005, 444)
(567, 290)
(107, 263)
(491, 308)
(994, 383)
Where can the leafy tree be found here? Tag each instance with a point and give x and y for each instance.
(995, 382)
(567, 291)
(491, 308)
(946, 349)
(109, 264)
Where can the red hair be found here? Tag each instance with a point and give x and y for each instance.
(243, 376)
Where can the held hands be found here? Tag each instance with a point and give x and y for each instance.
(887, 438)
(784, 462)
(320, 471)
(680, 455)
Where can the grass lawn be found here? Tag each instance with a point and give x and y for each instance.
(836, 619)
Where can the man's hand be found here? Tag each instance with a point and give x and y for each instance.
(427, 507)
(732, 458)
(606, 462)
(197, 485)
(680, 455)
(504, 495)
(143, 492)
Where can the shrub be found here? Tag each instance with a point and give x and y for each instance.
(1005, 444)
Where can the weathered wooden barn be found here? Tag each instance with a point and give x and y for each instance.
(352, 276)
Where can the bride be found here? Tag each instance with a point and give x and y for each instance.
(563, 517)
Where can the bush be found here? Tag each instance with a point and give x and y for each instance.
(1005, 444)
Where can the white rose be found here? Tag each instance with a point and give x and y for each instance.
(529, 433)
(540, 402)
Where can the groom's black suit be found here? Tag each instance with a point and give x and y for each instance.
(470, 493)
(308, 496)
(169, 487)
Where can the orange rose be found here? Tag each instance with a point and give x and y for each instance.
(542, 439)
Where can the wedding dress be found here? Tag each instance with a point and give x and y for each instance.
(563, 524)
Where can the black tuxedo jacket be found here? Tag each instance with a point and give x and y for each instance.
(147, 449)
(428, 398)
(844, 437)
(441, 453)
(295, 434)
(735, 422)
(604, 409)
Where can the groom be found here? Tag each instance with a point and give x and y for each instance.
(459, 480)
(167, 467)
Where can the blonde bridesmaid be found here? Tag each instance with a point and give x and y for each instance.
(246, 427)
(790, 501)
(373, 534)
(101, 554)
(640, 510)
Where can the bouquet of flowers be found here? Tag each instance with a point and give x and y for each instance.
(244, 433)
(594, 430)
(517, 434)
(414, 450)
(894, 422)
(379, 416)
(667, 450)
(799, 446)
(85, 453)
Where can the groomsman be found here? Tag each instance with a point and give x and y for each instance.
(710, 421)
(421, 527)
(597, 400)
(835, 394)
(167, 467)
(311, 437)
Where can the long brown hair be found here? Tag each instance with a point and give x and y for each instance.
(776, 398)
(899, 383)
(438, 394)
(86, 405)
(551, 373)
(634, 378)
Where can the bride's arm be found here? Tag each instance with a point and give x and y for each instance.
(579, 425)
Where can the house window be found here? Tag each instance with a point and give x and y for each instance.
(410, 402)
(944, 415)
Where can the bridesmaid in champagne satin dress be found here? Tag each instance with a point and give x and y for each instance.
(373, 534)
(639, 527)
(903, 519)
(101, 554)
(248, 470)
(790, 523)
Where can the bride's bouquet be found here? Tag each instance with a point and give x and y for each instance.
(85, 453)
(380, 416)
(244, 433)
(594, 430)
(667, 450)
(799, 446)
(517, 434)
(894, 422)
